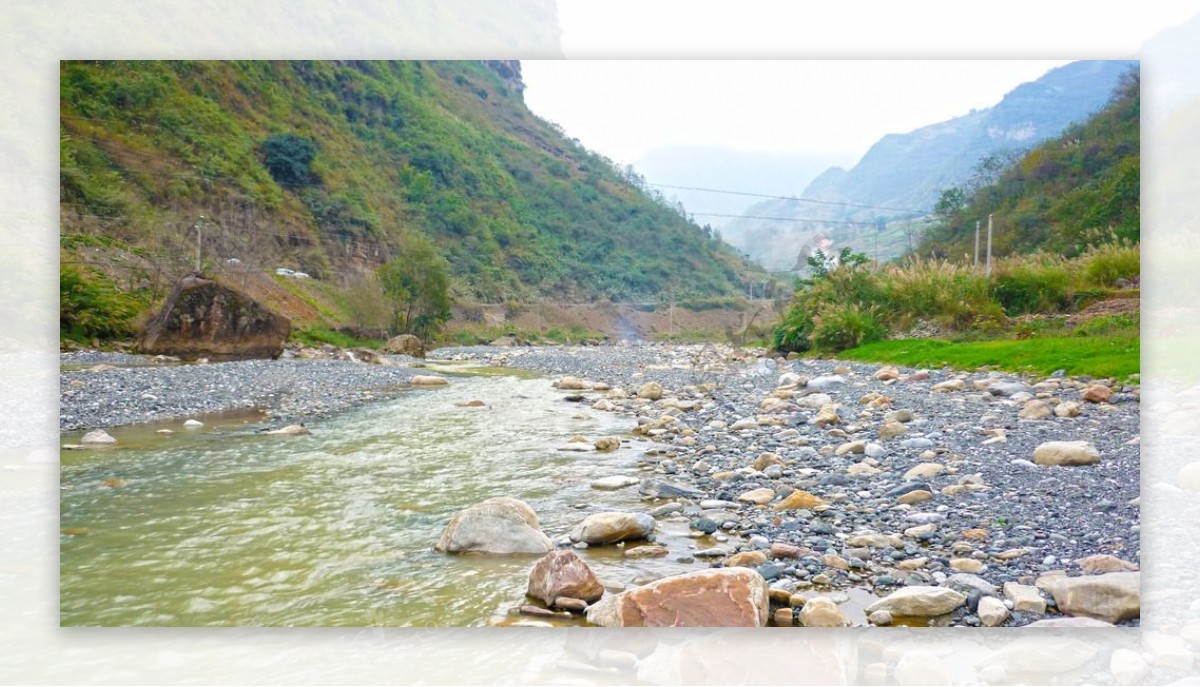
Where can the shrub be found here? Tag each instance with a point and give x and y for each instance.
(1105, 264)
(288, 158)
(91, 306)
(954, 296)
(839, 326)
(1032, 284)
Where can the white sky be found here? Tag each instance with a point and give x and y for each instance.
(623, 109)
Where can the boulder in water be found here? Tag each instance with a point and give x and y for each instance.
(498, 525)
(563, 573)
(612, 527)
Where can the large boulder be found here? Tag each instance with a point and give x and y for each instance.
(498, 525)
(1111, 597)
(719, 597)
(203, 319)
(405, 344)
(563, 573)
(612, 527)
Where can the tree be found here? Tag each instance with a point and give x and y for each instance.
(416, 286)
(288, 158)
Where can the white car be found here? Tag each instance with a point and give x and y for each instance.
(284, 272)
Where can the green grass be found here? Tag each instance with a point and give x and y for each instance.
(1099, 356)
(318, 335)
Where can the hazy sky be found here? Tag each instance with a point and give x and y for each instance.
(625, 108)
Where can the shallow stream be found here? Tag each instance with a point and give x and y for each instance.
(224, 525)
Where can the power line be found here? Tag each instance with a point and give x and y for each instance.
(795, 198)
(786, 219)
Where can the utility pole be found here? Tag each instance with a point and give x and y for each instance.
(977, 243)
(988, 271)
(199, 227)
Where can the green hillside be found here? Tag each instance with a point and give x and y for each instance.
(333, 168)
(1079, 189)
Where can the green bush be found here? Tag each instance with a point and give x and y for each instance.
(91, 306)
(1105, 264)
(839, 326)
(289, 157)
(1033, 285)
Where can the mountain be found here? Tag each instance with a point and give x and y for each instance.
(1079, 189)
(332, 168)
(711, 167)
(903, 175)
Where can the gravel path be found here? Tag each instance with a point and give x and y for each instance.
(990, 515)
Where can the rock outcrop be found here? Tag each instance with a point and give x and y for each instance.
(203, 319)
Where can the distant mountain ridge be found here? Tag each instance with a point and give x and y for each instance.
(910, 170)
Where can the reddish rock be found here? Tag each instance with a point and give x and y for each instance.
(782, 550)
(563, 573)
(203, 319)
(720, 597)
(917, 377)
(1097, 393)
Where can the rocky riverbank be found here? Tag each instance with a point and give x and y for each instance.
(98, 390)
(957, 498)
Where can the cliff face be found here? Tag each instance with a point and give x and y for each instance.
(509, 72)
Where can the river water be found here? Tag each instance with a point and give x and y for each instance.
(223, 525)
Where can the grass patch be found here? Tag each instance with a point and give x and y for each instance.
(1099, 356)
(320, 334)
(691, 336)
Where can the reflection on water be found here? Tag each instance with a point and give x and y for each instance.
(226, 526)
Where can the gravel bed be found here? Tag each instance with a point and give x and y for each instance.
(1046, 517)
(289, 390)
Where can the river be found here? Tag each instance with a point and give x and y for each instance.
(223, 525)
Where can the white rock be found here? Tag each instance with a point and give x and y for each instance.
(290, 430)
(193, 423)
(1066, 453)
(1024, 597)
(919, 600)
(614, 482)
(992, 611)
(98, 436)
(429, 380)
